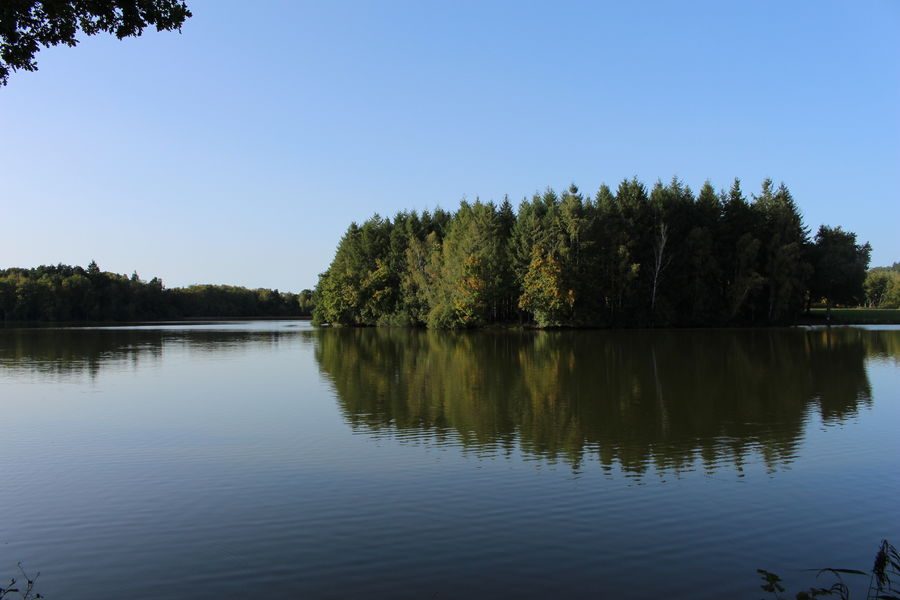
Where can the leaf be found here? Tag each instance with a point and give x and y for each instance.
(772, 580)
(845, 571)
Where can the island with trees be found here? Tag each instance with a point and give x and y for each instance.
(633, 257)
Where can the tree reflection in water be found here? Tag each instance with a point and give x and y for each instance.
(635, 398)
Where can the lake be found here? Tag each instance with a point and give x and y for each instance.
(271, 459)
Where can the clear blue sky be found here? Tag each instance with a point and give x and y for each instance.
(240, 150)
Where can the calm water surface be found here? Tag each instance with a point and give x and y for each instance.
(274, 460)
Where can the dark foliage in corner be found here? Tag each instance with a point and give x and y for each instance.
(27, 25)
(881, 586)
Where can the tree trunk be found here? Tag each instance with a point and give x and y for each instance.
(658, 254)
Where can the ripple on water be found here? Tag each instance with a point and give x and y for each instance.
(214, 463)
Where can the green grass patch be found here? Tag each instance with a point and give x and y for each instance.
(859, 316)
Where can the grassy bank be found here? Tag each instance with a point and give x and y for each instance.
(858, 316)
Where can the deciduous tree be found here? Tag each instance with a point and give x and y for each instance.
(28, 25)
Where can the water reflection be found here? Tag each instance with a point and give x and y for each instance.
(668, 400)
(72, 352)
(309, 457)
(636, 399)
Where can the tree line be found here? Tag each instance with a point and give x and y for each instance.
(67, 293)
(631, 257)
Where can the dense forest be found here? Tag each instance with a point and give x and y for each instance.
(65, 293)
(629, 257)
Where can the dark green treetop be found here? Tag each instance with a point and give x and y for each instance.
(840, 266)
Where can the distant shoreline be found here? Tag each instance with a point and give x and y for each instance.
(185, 321)
(839, 316)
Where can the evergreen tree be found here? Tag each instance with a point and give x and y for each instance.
(615, 265)
(739, 250)
(508, 290)
(637, 234)
(785, 239)
(527, 233)
(703, 273)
